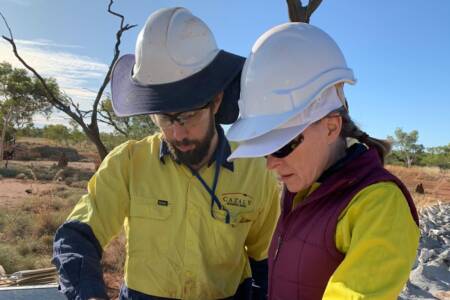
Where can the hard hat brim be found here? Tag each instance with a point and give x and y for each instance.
(280, 129)
(251, 127)
(129, 98)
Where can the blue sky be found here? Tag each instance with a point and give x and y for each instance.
(399, 50)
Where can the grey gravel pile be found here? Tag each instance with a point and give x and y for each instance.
(430, 277)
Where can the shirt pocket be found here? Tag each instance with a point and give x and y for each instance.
(149, 226)
(151, 208)
(230, 238)
(237, 217)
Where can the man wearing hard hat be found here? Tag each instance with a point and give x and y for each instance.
(197, 226)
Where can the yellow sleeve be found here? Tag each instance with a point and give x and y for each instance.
(106, 204)
(260, 234)
(379, 238)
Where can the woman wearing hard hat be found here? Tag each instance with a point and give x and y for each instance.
(348, 228)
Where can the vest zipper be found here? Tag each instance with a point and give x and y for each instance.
(279, 241)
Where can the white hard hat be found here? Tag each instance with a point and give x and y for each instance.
(289, 66)
(288, 82)
(276, 138)
(175, 43)
(177, 66)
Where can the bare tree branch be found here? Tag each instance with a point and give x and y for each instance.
(312, 6)
(7, 26)
(51, 97)
(106, 80)
(113, 124)
(299, 13)
(75, 106)
(64, 102)
(85, 112)
(106, 116)
(104, 121)
(101, 114)
(110, 120)
(295, 10)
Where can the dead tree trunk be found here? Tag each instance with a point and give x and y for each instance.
(299, 13)
(3, 134)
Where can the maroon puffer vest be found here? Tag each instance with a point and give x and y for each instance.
(303, 254)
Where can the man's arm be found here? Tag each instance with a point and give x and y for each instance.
(95, 220)
(259, 276)
(76, 255)
(260, 236)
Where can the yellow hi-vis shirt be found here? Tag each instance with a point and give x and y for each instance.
(175, 248)
(379, 238)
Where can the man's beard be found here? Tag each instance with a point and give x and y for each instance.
(197, 155)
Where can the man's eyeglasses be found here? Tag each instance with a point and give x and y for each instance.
(185, 118)
(289, 147)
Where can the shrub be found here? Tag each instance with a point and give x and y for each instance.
(114, 255)
(29, 246)
(47, 223)
(17, 226)
(80, 184)
(9, 172)
(12, 261)
(45, 244)
(9, 258)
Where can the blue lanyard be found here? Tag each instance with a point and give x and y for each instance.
(212, 191)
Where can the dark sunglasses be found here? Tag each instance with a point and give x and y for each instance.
(288, 148)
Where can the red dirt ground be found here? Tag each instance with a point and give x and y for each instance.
(436, 183)
(13, 191)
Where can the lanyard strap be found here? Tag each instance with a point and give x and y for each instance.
(212, 191)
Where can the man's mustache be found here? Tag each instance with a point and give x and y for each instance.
(184, 142)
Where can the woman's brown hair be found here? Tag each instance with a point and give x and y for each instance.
(351, 130)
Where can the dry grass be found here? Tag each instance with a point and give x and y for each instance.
(29, 218)
(113, 263)
(434, 171)
(47, 171)
(114, 255)
(424, 200)
(86, 147)
(27, 230)
(35, 140)
(435, 181)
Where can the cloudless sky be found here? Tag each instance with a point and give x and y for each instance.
(399, 50)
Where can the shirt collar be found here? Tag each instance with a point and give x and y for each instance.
(223, 142)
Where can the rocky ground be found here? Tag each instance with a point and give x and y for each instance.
(430, 277)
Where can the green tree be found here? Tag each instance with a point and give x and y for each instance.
(77, 136)
(405, 144)
(58, 133)
(29, 130)
(437, 156)
(21, 97)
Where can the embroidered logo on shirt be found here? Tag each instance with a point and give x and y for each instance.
(237, 199)
(163, 202)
